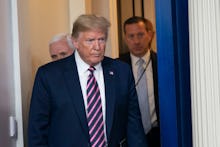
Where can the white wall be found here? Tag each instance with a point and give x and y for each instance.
(25, 60)
(76, 8)
(39, 20)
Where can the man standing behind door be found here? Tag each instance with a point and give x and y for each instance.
(139, 33)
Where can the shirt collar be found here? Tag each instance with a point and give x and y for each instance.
(134, 58)
(83, 66)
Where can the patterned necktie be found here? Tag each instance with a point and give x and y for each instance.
(143, 96)
(94, 109)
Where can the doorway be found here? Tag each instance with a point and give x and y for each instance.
(170, 20)
(174, 72)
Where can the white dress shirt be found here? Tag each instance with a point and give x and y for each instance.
(150, 83)
(83, 73)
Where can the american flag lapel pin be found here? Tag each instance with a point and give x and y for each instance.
(111, 73)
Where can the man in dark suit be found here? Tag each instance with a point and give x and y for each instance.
(139, 33)
(68, 107)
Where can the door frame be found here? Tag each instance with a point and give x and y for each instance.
(17, 74)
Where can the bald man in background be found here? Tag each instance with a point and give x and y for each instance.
(60, 46)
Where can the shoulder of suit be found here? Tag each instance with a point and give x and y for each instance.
(125, 55)
(153, 54)
(59, 64)
(114, 62)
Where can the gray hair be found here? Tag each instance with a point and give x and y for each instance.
(88, 22)
(62, 36)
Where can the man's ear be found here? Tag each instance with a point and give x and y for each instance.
(151, 33)
(75, 42)
(125, 38)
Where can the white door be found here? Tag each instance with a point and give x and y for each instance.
(10, 99)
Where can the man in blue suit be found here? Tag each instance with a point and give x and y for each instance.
(59, 111)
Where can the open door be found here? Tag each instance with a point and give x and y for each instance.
(11, 134)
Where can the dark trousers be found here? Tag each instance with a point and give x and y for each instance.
(153, 137)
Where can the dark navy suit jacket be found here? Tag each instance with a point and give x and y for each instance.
(57, 115)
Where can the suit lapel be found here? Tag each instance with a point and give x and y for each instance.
(73, 86)
(110, 95)
(155, 78)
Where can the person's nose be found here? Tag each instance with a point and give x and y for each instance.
(97, 45)
(136, 40)
(59, 57)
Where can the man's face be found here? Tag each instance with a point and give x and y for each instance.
(91, 46)
(137, 38)
(59, 50)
